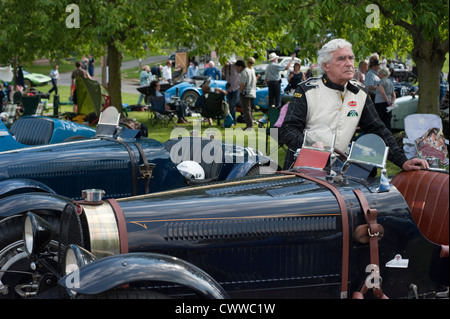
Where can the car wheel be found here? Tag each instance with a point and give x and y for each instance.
(16, 273)
(190, 97)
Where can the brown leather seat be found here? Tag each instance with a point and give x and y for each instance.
(426, 193)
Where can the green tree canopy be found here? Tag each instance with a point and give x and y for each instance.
(244, 27)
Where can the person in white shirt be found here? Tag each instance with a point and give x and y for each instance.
(167, 71)
(54, 74)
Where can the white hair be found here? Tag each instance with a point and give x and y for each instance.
(384, 71)
(326, 53)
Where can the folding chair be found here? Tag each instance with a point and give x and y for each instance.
(416, 125)
(159, 111)
(108, 122)
(30, 105)
(11, 110)
(17, 98)
(214, 106)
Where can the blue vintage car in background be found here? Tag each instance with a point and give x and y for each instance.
(40, 130)
(189, 91)
(121, 162)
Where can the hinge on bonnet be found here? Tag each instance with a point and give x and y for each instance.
(145, 173)
(146, 170)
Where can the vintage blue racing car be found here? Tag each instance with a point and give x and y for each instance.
(190, 89)
(40, 130)
(325, 229)
(121, 162)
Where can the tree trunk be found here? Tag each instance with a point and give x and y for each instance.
(15, 68)
(115, 82)
(429, 60)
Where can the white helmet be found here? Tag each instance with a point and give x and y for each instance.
(191, 169)
(4, 117)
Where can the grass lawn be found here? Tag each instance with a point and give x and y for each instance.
(63, 67)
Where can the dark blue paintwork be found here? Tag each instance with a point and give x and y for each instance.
(111, 164)
(66, 168)
(284, 235)
(275, 236)
(279, 237)
(256, 237)
(294, 234)
(164, 268)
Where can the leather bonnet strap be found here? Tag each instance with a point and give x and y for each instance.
(374, 231)
(345, 226)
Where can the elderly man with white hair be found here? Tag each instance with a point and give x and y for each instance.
(337, 100)
(212, 71)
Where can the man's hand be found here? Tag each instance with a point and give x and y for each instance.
(414, 164)
(290, 62)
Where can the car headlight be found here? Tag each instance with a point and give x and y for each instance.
(75, 258)
(37, 233)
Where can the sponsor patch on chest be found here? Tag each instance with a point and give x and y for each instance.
(352, 113)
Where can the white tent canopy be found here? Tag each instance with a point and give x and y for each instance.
(6, 74)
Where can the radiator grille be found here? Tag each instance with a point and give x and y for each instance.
(245, 227)
(267, 266)
(55, 170)
(72, 230)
